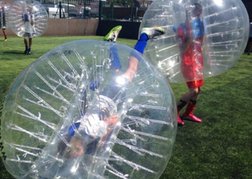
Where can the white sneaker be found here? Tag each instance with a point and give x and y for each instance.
(153, 32)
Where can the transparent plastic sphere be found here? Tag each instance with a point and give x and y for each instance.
(80, 82)
(203, 38)
(27, 17)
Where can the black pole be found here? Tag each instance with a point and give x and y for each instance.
(100, 9)
(132, 11)
(68, 8)
(84, 10)
(60, 8)
(112, 9)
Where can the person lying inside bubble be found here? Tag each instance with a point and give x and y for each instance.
(96, 125)
(90, 130)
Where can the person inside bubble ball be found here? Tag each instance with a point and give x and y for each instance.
(3, 22)
(191, 34)
(28, 20)
(97, 124)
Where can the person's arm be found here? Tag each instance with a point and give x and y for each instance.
(111, 122)
(115, 60)
(132, 68)
(32, 19)
(23, 17)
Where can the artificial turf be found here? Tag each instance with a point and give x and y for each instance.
(220, 147)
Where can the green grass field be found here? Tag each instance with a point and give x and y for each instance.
(220, 147)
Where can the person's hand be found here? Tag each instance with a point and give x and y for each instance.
(122, 80)
(94, 84)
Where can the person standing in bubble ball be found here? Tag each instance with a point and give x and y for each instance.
(96, 125)
(3, 21)
(28, 20)
(190, 35)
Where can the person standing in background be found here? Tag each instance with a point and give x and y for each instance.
(190, 35)
(3, 21)
(28, 20)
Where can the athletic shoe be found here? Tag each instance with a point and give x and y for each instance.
(192, 117)
(180, 121)
(113, 34)
(153, 32)
(28, 51)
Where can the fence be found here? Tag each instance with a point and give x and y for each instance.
(68, 27)
(131, 10)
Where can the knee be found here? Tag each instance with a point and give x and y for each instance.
(143, 37)
(195, 92)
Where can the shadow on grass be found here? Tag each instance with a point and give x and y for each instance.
(16, 52)
(220, 147)
(18, 55)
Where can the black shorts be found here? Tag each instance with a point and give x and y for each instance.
(26, 34)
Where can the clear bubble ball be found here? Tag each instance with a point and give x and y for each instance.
(74, 114)
(203, 38)
(27, 17)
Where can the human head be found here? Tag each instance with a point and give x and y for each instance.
(75, 148)
(196, 10)
(29, 9)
